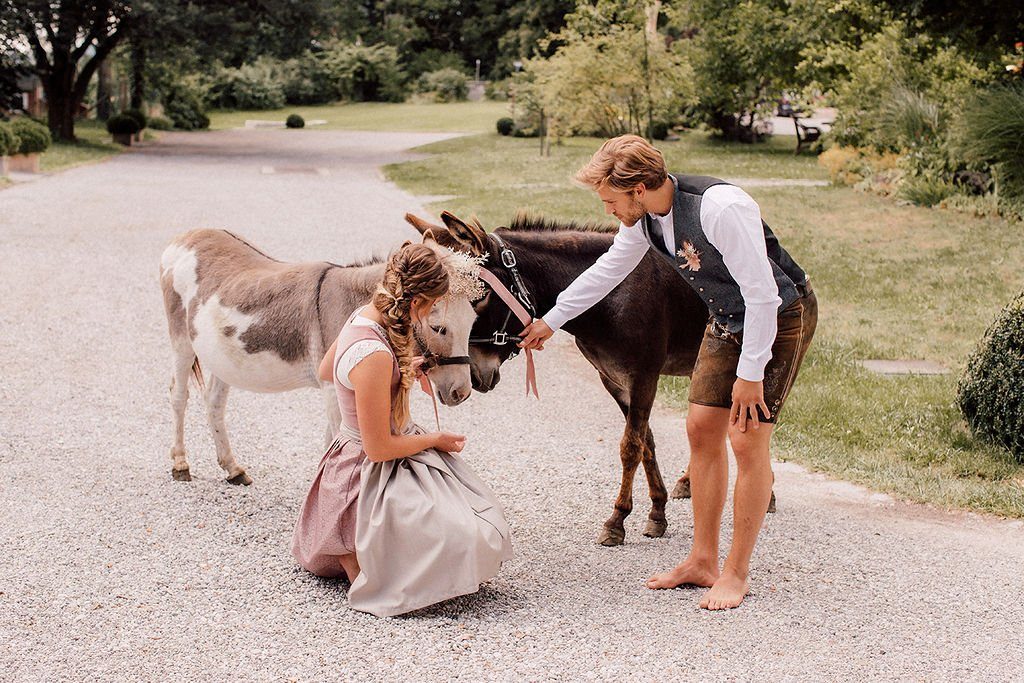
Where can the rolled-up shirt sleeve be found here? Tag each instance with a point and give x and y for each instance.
(602, 277)
(732, 223)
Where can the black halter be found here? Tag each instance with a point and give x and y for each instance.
(430, 359)
(519, 291)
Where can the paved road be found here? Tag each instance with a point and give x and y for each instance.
(109, 570)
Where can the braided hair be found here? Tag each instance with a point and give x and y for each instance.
(413, 270)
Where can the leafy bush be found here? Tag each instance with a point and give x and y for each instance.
(497, 90)
(895, 76)
(161, 123)
(305, 80)
(992, 132)
(34, 137)
(991, 391)
(659, 130)
(595, 83)
(447, 85)
(505, 125)
(926, 190)
(295, 121)
(364, 73)
(9, 140)
(138, 115)
(865, 169)
(259, 85)
(183, 105)
(123, 124)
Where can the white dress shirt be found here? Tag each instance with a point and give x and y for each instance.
(731, 221)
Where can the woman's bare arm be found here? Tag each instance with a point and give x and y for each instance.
(326, 371)
(370, 379)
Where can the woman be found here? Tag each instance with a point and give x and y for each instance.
(391, 507)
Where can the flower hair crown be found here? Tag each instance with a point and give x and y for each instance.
(463, 275)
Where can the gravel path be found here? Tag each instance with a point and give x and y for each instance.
(110, 570)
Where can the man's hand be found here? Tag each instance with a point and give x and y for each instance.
(747, 397)
(535, 334)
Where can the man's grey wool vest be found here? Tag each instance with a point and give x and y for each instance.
(701, 264)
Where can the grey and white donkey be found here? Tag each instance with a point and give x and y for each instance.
(246, 320)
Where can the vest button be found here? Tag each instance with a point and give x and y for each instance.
(700, 289)
(721, 311)
(691, 277)
(711, 301)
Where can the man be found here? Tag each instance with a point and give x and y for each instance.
(762, 317)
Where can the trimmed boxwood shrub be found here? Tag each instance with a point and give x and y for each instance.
(184, 106)
(139, 117)
(34, 137)
(160, 123)
(122, 124)
(991, 392)
(506, 125)
(9, 140)
(295, 121)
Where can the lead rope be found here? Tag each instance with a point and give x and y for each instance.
(524, 317)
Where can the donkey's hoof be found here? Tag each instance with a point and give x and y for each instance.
(240, 479)
(771, 503)
(181, 475)
(682, 489)
(655, 528)
(611, 537)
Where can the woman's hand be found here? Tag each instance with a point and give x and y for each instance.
(448, 442)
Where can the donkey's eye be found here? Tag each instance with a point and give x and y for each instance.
(440, 329)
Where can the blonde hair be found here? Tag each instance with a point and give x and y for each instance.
(622, 163)
(413, 270)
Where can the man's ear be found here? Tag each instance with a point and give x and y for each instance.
(471, 237)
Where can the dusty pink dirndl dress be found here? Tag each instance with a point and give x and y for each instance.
(425, 527)
(326, 529)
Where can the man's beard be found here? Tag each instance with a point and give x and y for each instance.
(634, 213)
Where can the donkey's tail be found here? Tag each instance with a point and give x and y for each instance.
(197, 374)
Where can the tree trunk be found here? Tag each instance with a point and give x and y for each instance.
(59, 89)
(138, 57)
(104, 90)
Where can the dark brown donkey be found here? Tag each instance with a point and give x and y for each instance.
(650, 325)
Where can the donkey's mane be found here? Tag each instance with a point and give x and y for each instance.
(528, 222)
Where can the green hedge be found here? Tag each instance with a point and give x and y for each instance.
(991, 392)
(34, 137)
(123, 124)
(9, 141)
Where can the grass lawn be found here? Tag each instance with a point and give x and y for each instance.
(470, 117)
(892, 281)
(93, 144)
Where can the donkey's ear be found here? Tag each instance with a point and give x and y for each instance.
(471, 237)
(428, 237)
(421, 225)
(439, 233)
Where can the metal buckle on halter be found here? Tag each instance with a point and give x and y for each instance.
(508, 259)
(500, 338)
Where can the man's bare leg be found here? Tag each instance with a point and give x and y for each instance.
(706, 429)
(750, 503)
(350, 565)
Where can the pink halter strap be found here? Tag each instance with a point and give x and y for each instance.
(524, 317)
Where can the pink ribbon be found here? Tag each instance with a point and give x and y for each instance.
(524, 317)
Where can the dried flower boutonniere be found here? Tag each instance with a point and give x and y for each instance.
(692, 257)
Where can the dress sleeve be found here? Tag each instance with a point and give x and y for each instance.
(352, 356)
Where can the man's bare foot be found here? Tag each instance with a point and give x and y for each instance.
(350, 565)
(728, 592)
(689, 572)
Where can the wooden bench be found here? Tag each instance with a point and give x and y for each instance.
(805, 134)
